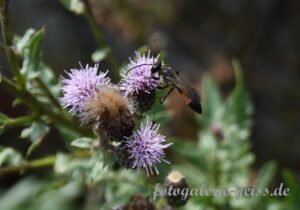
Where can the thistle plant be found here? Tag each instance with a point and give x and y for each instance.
(113, 128)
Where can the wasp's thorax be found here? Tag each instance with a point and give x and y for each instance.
(109, 113)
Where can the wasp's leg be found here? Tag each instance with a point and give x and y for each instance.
(161, 87)
(164, 98)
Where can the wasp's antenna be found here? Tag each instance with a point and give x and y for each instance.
(137, 67)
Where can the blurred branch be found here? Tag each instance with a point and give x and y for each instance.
(20, 121)
(7, 42)
(100, 40)
(38, 163)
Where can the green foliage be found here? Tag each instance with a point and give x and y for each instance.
(9, 156)
(31, 194)
(36, 133)
(83, 143)
(222, 156)
(100, 54)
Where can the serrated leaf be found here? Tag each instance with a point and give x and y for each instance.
(100, 55)
(83, 143)
(33, 55)
(238, 106)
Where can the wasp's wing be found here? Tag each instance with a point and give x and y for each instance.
(189, 94)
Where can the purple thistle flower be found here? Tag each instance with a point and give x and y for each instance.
(140, 77)
(81, 85)
(146, 148)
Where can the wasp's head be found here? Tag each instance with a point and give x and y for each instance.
(156, 67)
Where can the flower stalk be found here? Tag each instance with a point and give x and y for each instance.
(7, 43)
(44, 162)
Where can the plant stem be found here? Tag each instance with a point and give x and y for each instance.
(38, 163)
(28, 165)
(45, 88)
(7, 43)
(19, 121)
(100, 40)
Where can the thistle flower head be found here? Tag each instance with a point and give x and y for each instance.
(110, 113)
(146, 147)
(140, 77)
(81, 85)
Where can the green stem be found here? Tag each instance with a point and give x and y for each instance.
(28, 165)
(10, 85)
(38, 163)
(7, 43)
(19, 121)
(100, 40)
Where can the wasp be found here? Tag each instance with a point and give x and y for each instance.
(170, 79)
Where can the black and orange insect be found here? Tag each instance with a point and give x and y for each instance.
(171, 79)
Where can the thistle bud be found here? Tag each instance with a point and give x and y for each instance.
(144, 100)
(137, 202)
(177, 189)
(123, 156)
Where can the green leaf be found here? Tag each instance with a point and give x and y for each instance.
(9, 156)
(266, 175)
(189, 151)
(292, 182)
(100, 55)
(22, 43)
(32, 54)
(36, 133)
(19, 194)
(212, 102)
(83, 143)
(76, 6)
(3, 119)
(238, 106)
